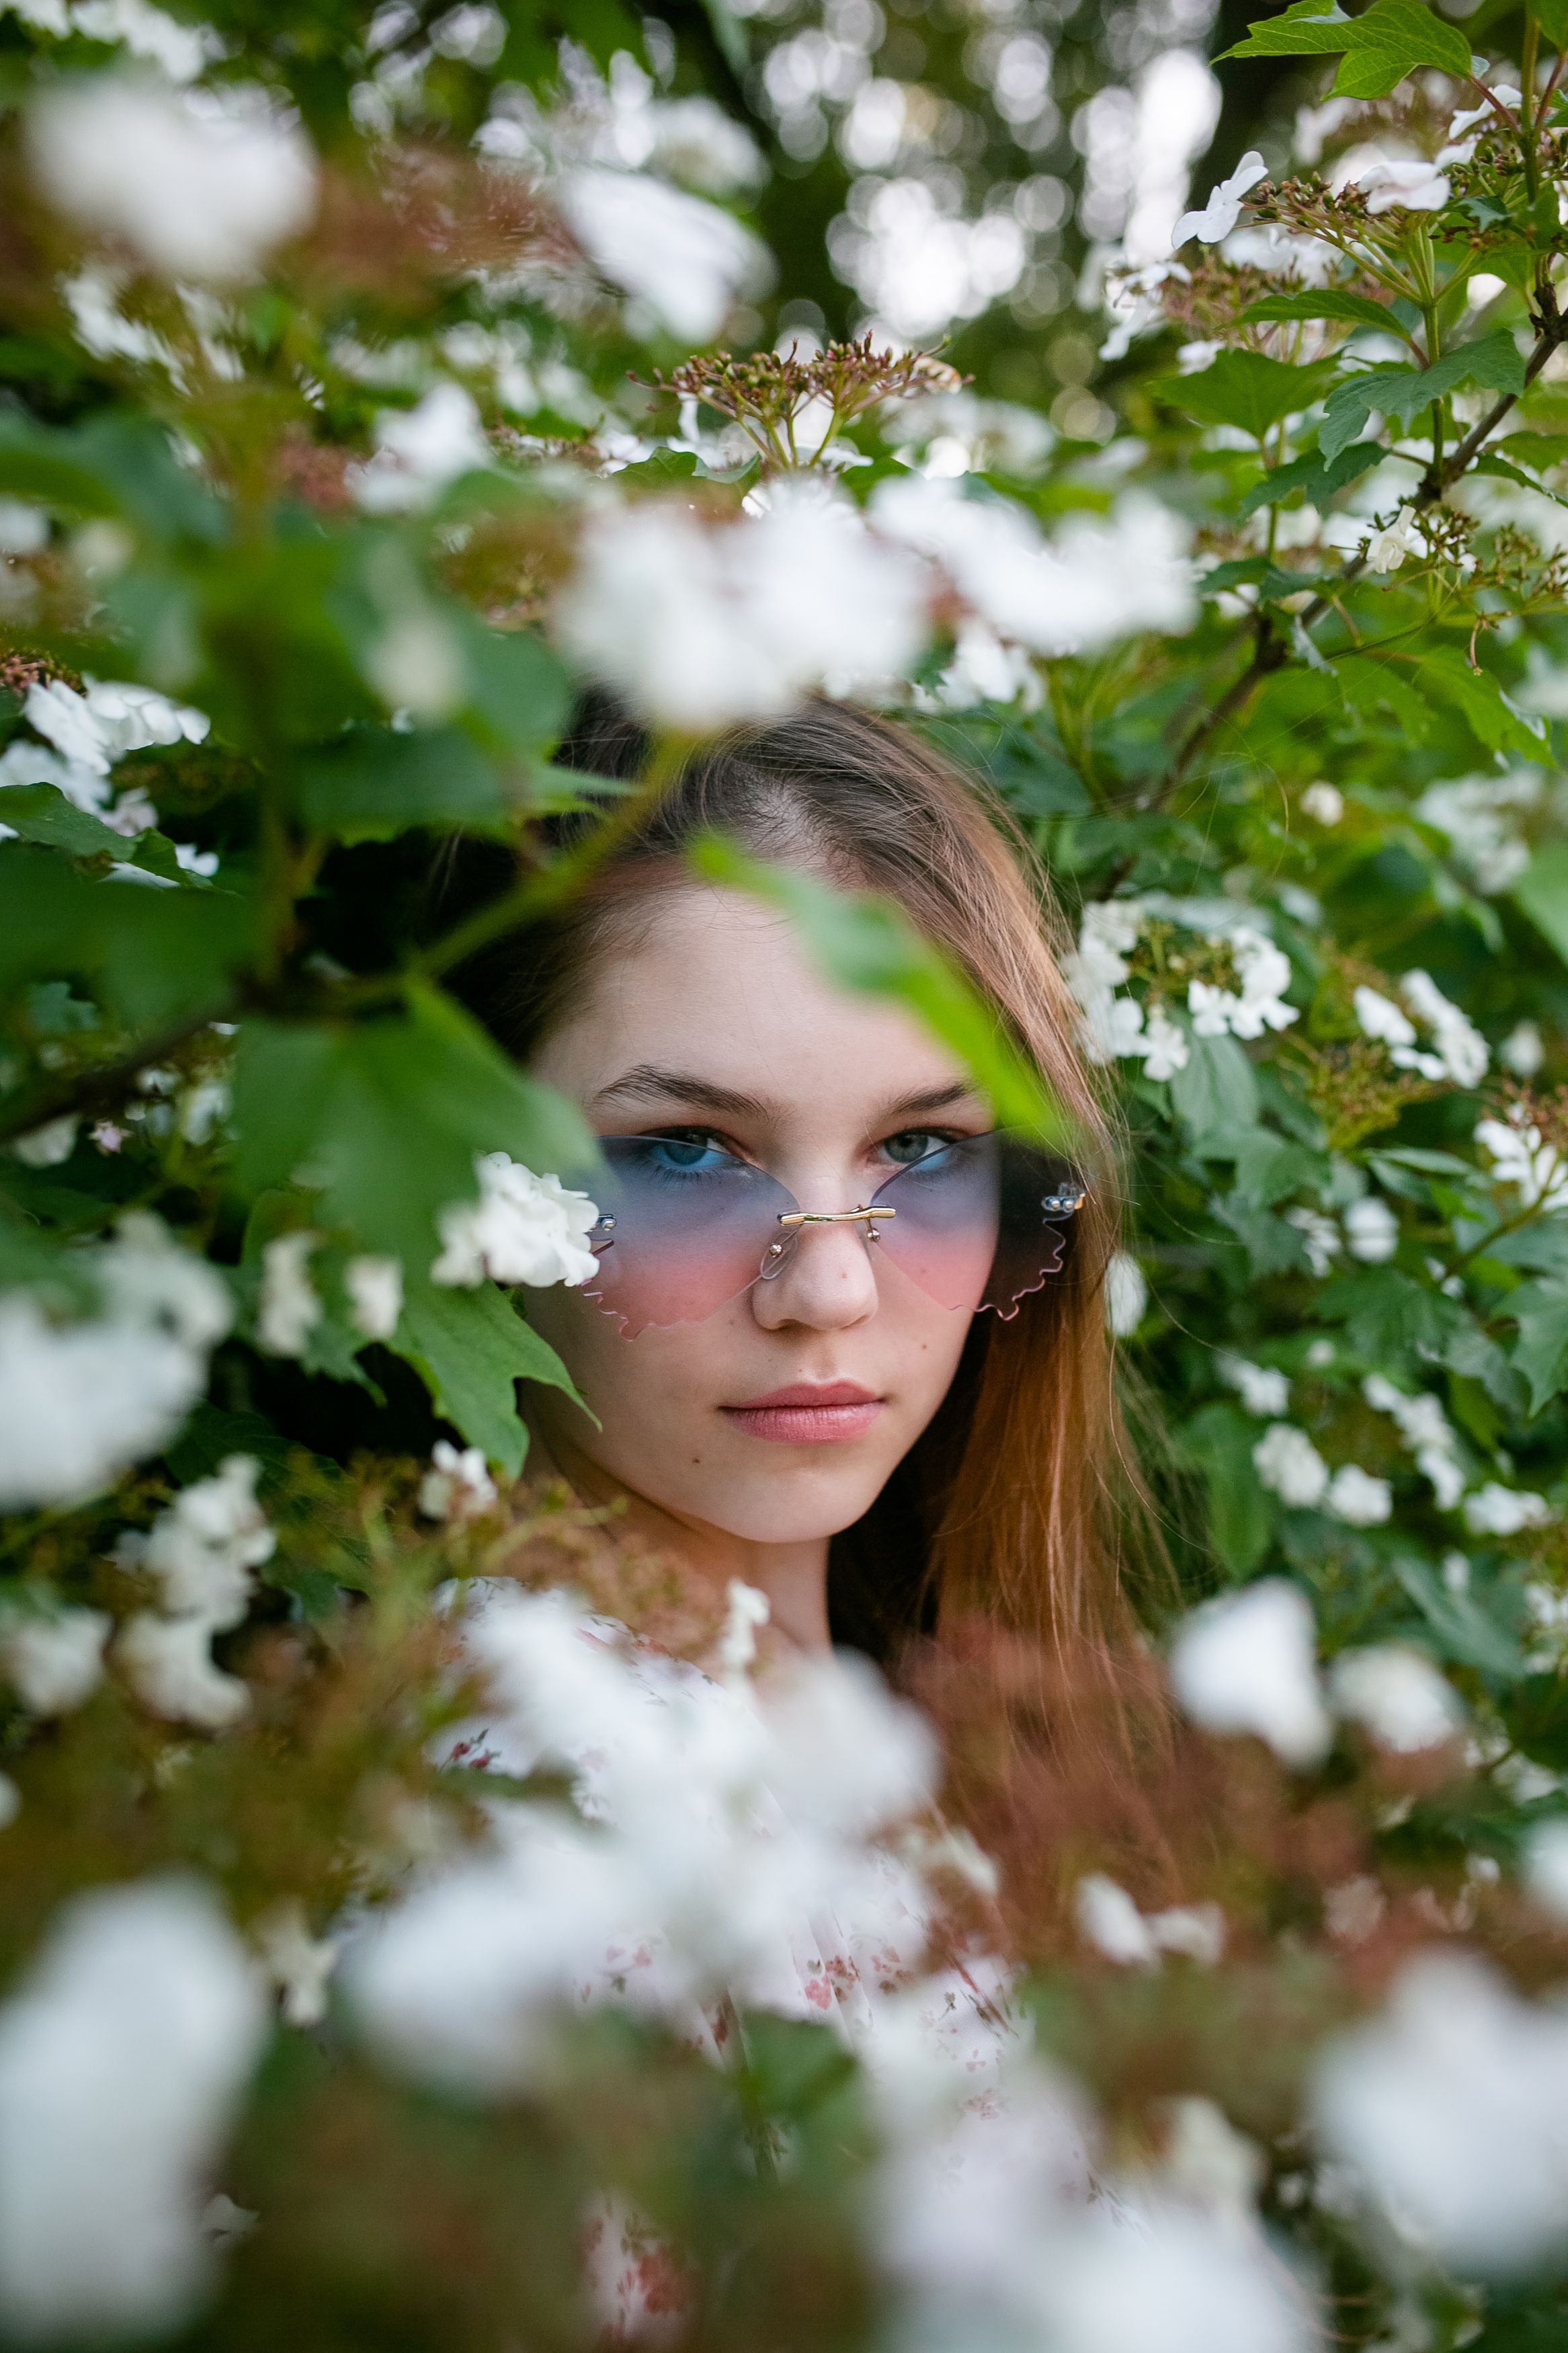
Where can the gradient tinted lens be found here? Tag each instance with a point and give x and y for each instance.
(979, 1223)
(683, 1227)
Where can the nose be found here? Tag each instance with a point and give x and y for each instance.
(828, 1283)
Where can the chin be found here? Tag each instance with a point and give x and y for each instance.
(801, 1508)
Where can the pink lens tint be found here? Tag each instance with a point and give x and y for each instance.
(978, 1223)
(686, 1227)
(683, 1227)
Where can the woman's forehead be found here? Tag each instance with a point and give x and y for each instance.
(709, 983)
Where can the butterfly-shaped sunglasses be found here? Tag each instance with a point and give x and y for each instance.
(686, 1227)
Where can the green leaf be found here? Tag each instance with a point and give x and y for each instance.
(1371, 684)
(1463, 1630)
(869, 945)
(1323, 303)
(1492, 360)
(383, 1119)
(1315, 478)
(152, 954)
(471, 1348)
(1248, 390)
(377, 782)
(520, 693)
(1217, 1094)
(1480, 701)
(1219, 1441)
(1488, 462)
(1392, 39)
(1541, 1353)
(1542, 891)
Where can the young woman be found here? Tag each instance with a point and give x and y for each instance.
(880, 1421)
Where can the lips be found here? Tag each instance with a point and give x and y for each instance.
(809, 1413)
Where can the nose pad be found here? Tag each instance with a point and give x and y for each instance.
(824, 1275)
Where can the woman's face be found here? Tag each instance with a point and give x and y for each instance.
(779, 1417)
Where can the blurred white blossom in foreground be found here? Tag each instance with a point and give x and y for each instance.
(81, 1402)
(685, 262)
(713, 1828)
(201, 1552)
(1453, 2109)
(697, 628)
(56, 1661)
(419, 450)
(1248, 1664)
(1395, 1693)
(122, 2057)
(522, 1229)
(1094, 583)
(198, 186)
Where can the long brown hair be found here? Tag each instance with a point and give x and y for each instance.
(1014, 1507)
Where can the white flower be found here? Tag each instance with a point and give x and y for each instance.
(747, 1610)
(1126, 1294)
(1381, 1018)
(1496, 1511)
(199, 188)
(298, 1963)
(1324, 803)
(203, 1547)
(523, 1229)
(1163, 1048)
(1426, 1431)
(180, 50)
(123, 2055)
(1263, 1390)
(288, 1310)
(1386, 549)
(685, 262)
(1287, 1462)
(1408, 181)
(93, 730)
(1096, 582)
(699, 626)
(49, 1146)
(1320, 1235)
(1223, 210)
(418, 450)
(1521, 1157)
(1264, 972)
(147, 1279)
(1396, 1694)
(1523, 1051)
(1371, 1229)
(1461, 1049)
(1160, 2278)
(80, 1402)
(1357, 1498)
(1451, 2107)
(1546, 1865)
(458, 1485)
(169, 1664)
(1247, 1663)
(1109, 1919)
(54, 1662)
(375, 1286)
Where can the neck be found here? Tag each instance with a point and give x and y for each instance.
(794, 1576)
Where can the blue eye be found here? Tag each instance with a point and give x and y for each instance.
(914, 1144)
(670, 1159)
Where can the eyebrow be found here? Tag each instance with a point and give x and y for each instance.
(647, 1081)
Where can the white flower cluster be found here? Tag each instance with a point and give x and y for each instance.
(1449, 2110)
(458, 1485)
(419, 450)
(199, 185)
(523, 1229)
(1457, 1052)
(683, 263)
(1521, 1157)
(1427, 1431)
(53, 1658)
(201, 1552)
(1247, 1663)
(1479, 816)
(80, 1402)
(1290, 1466)
(123, 2055)
(1117, 1028)
(85, 734)
(701, 628)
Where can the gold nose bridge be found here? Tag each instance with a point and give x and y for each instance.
(832, 1217)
